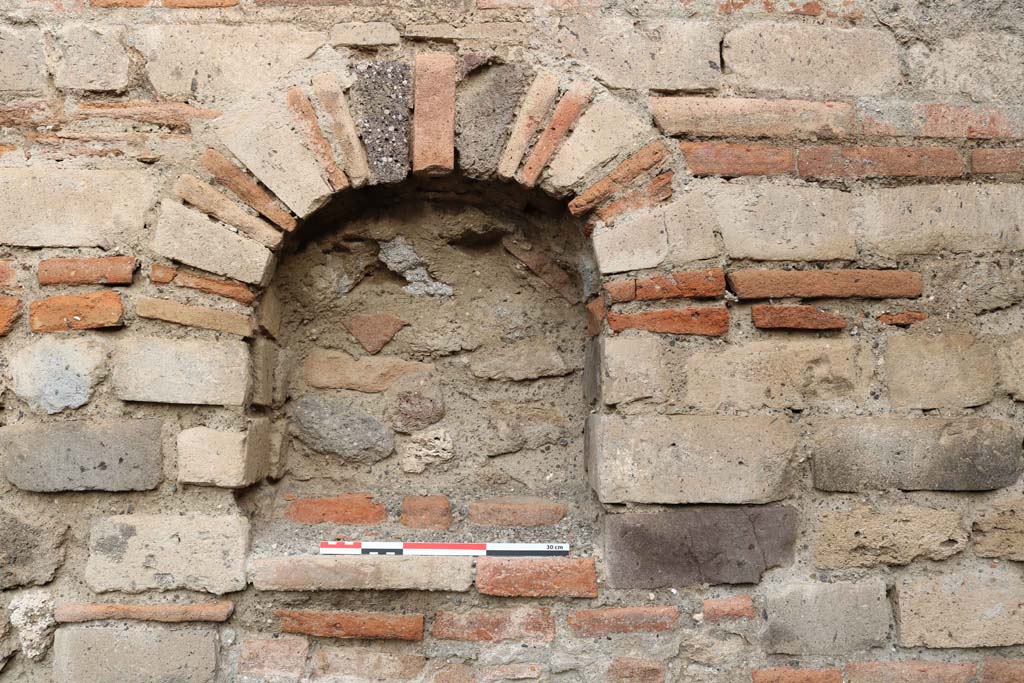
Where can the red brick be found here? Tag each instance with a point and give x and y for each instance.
(76, 312)
(532, 624)
(10, 310)
(111, 270)
(433, 123)
(426, 512)
(1008, 160)
(633, 670)
(273, 659)
(567, 111)
(373, 331)
(8, 275)
(352, 625)
(657, 190)
(731, 159)
(825, 284)
(200, 4)
(872, 162)
(789, 675)
(118, 3)
(902, 319)
(694, 284)
(596, 312)
(705, 321)
(6, 148)
(169, 114)
(454, 673)
(75, 612)
(161, 274)
(305, 117)
(795, 318)
(600, 622)
(30, 113)
(515, 511)
(751, 117)
(975, 122)
(351, 508)
(729, 609)
(501, 673)
(1003, 671)
(616, 181)
(248, 190)
(544, 267)
(557, 577)
(910, 672)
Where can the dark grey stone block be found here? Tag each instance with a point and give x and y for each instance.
(381, 100)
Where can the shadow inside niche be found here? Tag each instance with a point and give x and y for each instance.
(437, 336)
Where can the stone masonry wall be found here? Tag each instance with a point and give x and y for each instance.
(725, 293)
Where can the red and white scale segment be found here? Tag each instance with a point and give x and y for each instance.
(474, 549)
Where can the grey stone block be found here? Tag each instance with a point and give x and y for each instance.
(53, 374)
(381, 101)
(486, 103)
(29, 553)
(107, 455)
(827, 618)
(694, 545)
(134, 653)
(331, 424)
(938, 454)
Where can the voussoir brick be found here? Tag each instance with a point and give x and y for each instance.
(352, 625)
(825, 284)
(567, 111)
(536, 578)
(207, 199)
(248, 190)
(161, 274)
(625, 173)
(528, 624)
(608, 620)
(707, 321)
(531, 116)
(433, 126)
(76, 312)
(305, 116)
(110, 270)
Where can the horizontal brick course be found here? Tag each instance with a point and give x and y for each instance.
(10, 311)
(162, 274)
(315, 573)
(194, 316)
(76, 312)
(74, 612)
(528, 624)
(873, 162)
(110, 270)
(795, 318)
(736, 159)
(352, 508)
(536, 578)
(792, 675)
(696, 284)
(426, 512)
(825, 284)
(516, 511)
(1010, 160)
(704, 321)
(729, 609)
(910, 672)
(352, 625)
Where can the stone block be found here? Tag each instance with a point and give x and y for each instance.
(940, 454)
(184, 371)
(696, 545)
(690, 224)
(827, 618)
(927, 219)
(329, 369)
(23, 68)
(188, 236)
(673, 459)
(982, 66)
(56, 207)
(368, 572)
(209, 61)
(952, 370)
(134, 654)
(608, 128)
(52, 374)
(136, 553)
(631, 368)
(264, 135)
(892, 535)
(229, 459)
(365, 34)
(634, 243)
(798, 58)
(999, 531)
(273, 660)
(92, 57)
(978, 607)
(331, 424)
(779, 374)
(777, 221)
(381, 99)
(95, 455)
(653, 55)
(31, 550)
(485, 105)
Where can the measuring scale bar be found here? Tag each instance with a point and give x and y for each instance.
(463, 549)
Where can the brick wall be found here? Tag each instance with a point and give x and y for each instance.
(726, 293)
